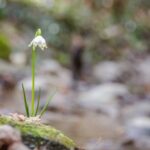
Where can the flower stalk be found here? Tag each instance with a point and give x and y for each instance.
(33, 111)
(33, 80)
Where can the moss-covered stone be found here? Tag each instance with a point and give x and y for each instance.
(34, 134)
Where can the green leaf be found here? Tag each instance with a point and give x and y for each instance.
(38, 102)
(46, 105)
(25, 102)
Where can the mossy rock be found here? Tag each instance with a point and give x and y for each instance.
(39, 135)
(5, 48)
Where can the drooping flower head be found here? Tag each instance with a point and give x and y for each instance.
(38, 41)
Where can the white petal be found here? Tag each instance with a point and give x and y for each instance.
(38, 41)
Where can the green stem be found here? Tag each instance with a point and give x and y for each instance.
(33, 80)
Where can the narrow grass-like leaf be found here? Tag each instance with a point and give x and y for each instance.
(25, 101)
(46, 105)
(38, 102)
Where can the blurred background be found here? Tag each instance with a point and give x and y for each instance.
(98, 59)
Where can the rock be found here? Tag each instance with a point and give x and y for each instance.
(9, 135)
(143, 70)
(139, 127)
(11, 138)
(59, 74)
(140, 109)
(18, 58)
(12, 72)
(59, 103)
(115, 71)
(18, 146)
(38, 135)
(50, 66)
(7, 81)
(6, 67)
(107, 71)
(104, 97)
(102, 145)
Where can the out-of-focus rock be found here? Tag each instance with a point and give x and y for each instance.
(137, 109)
(7, 81)
(8, 134)
(50, 66)
(11, 72)
(143, 70)
(107, 71)
(139, 127)
(55, 70)
(18, 58)
(11, 138)
(143, 74)
(59, 103)
(104, 97)
(102, 145)
(7, 67)
(17, 146)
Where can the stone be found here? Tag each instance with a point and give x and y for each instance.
(11, 138)
(102, 145)
(36, 134)
(103, 97)
(107, 71)
(139, 127)
(18, 58)
(143, 71)
(18, 146)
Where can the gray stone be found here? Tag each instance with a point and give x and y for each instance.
(139, 126)
(107, 71)
(104, 97)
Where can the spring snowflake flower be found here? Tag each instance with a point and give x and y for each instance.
(38, 41)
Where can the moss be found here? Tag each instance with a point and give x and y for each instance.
(39, 131)
(5, 48)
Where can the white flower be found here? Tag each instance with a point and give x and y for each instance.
(38, 41)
